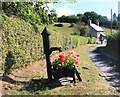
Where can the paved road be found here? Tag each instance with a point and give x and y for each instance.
(103, 62)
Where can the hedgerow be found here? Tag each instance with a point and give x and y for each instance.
(113, 44)
(22, 44)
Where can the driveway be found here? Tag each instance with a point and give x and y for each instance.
(104, 63)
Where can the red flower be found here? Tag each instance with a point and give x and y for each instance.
(76, 62)
(69, 53)
(62, 59)
(61, 55)
(77, 55)
(66, 56)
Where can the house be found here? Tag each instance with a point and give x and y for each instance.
(96, 31)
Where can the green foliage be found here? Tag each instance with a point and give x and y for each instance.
(9, 62)
(93, 40)
(118, 23)
(104, 21)
(89, 40)
(90, 15)
(80, 16)
(68, 19)
(22, 43)
(72, 25)
(114, 24)
(21, 40)
(113, 43)
(81, 31)
(76, 32)
(31, 12)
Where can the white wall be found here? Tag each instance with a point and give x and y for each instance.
(92, 32)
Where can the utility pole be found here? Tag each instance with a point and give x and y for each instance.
(111, 20)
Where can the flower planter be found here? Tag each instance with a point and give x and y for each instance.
(66, 64)
(65, 72)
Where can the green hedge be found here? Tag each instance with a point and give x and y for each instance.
(21, 41)
(113, 44)
(91, 40)
(118, 24)
(22, 44)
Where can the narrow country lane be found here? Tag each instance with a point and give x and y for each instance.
(103, 62)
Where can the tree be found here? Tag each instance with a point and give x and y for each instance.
(86, 17)
(90, 15)
(33, 12)
(114, 16)
(68, 19)
(103, 20)
(80, 15)
(53, 16)
(118, 23)
(94, 16)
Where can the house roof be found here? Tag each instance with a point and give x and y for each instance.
(102, 34)
(96, 28)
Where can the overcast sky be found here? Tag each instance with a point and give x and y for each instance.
(102, 7)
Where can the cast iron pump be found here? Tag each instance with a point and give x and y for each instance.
(48, 50)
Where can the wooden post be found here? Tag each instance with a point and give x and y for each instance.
(111, 20)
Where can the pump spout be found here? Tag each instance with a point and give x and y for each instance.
(55, 49)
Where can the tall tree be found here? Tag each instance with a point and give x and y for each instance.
(90, 15)
(103, 20)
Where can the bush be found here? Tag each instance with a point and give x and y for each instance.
(76, 32)
(118, 24)
(93, 40)
(81, 31)
(72, 25)
(59, 25)
(89, 40)
(113, 43)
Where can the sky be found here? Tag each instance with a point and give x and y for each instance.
(101, 7)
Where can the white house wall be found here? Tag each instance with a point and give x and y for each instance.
(98, 35)
(92, 32)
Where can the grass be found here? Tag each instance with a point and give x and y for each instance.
(65, 29)
(107, 30)
(92, 83)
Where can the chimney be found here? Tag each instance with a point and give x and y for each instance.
(98, 23)
(89, 21)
